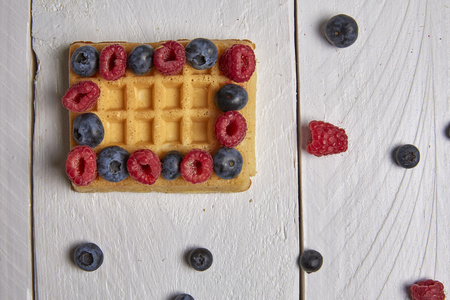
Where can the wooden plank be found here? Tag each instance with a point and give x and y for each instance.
(379, 227)
(15, 152)
(254, 235)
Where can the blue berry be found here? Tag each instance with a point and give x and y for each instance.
(201, 54)
(140, 60)
(170, 165)
(231, 97)
(112, 163)
(200, 259)
(84, 61)
(88, 257)
(341, 31)
(184, 297)
(407, 156)
(227, 163)
(88, 130)
(311, 261)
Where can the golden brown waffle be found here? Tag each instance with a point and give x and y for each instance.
(165, 113)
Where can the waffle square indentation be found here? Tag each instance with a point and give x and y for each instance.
(116, 131)
(145, 131)
(144, 96)
(172, 131)
(117, 97)
(199, 131)
(200, 95)
(173, 95)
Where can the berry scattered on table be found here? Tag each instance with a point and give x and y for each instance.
(140, 60)
(231, 97)
(169, 58)
(84, 61)
(81, 96)
(81, 166)
(238, 62)
(201, 54)
(326, 139)
(88, 130)
(311, 261)
(428, 290)
(407, 156)
(112, 163)
(200, 259)
(144, 166)
(113, 62)
(230, 128)
(341, 31)
(227, 163)
(184, 297)
(170, 165)
(88, 257)
(197, 166)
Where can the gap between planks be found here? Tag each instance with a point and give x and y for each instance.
(299, 150)
(34, 73)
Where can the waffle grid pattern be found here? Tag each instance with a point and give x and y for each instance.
(165, 113)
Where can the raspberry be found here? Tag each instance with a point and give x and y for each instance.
(81, 165)
(81, 96)
(197, 166)
(326, 139)
(169, 58)
(427, 290)
(230, 128)
(144, 166)
(113, 62)
(238, 62)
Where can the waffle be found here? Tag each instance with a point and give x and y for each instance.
(165, 113)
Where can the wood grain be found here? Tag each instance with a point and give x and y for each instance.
(379, 227)
(254, 235)
(15, 152)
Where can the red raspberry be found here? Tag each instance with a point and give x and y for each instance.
(81, 165)
(113, 62)
(81, 96)
(326, 139)
(169, 58)
(230, 128)
(144, 166)
(197, 166)
(238, 62)
(427, 290)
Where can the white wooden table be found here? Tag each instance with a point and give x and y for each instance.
(378, 226)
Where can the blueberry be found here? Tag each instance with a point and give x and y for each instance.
(170, 165)
(88, 257)
(184, 297)
(112, 163)
(200, 259)
(311, 261)
(140, 60)
(227, 163)
(84, 61)
(407, 156)
(88, 130)
(231, 97)
(341, 31)
(201, 54)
